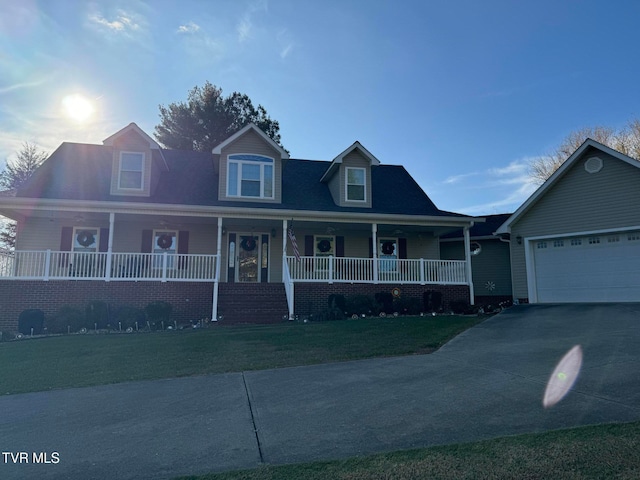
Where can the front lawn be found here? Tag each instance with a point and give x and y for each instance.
(37, 364)
(595, 452)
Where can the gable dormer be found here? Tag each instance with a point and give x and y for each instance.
(137, 162)
(250, 167)
(349, 177)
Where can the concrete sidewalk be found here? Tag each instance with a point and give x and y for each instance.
(487, 382)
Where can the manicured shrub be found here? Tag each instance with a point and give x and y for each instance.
(432, 301)
(126, 317)
(384, 301)
(159, 312)
(31, 319)
(461, 307)
(407, 305)
(338, 301)
(68, 318)
(97, 314)
(361, 305)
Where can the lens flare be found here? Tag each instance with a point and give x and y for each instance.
(563, 377)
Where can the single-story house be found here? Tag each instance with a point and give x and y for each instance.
(577, 238)
(213, 233)
(490, 260)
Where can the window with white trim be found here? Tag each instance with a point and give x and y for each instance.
(250, 176)
(558, 243)
(131, 171)
(165, 241)
(323, 247)
(633, 236)
(594, 240)
(613, 238)
(388, 254)
(576, 241)
(541, 245)
(355, 179)
(86, 239)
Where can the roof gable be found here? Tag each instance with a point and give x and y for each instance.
(335, 163)
(251, 127)
(588, 145)
(132, 127)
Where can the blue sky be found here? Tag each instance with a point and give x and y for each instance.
(462, 93)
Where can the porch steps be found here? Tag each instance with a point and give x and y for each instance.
(252, 303)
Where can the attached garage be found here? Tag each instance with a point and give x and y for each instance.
(602, 267)
(577, 238)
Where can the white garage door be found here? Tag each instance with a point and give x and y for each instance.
(598, 268)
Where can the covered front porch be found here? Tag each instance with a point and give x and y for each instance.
(232, 247)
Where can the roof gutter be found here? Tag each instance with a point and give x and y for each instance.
(236, 212)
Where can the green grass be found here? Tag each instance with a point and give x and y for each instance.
(81, 360)
(595, 452)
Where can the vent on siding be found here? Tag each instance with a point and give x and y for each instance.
(593, 165)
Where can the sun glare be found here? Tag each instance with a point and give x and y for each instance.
(77, 107)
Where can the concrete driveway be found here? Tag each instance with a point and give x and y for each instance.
(487, 382)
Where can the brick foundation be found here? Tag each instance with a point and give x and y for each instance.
(312, 298)
(191, 301)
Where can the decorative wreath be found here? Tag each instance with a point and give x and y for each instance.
(165, 241)
(85, 238)
(248, 244)
(395, 292)
(387, 248)
(324, 245)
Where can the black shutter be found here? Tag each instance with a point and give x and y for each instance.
(308, 245)
(183, 248)
(147, 241)
(340, 246)
(104, 240)
(370, 247)
(66, 240)
(402, 248)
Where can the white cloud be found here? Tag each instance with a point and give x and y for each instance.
(20, 86)
(508, 187)
(285, 42)
(190, 27)
(244, 29)
(123, 22)
(458, 178)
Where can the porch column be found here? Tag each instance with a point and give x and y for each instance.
(467, 258)
(286, 274)
(216, 281)
(284, 241)
(374, 250)
(112, 221)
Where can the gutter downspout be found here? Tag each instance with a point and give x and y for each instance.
(467, 257)
(112, 220)
(216, 282)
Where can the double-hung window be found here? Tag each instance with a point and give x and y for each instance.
(250, 176)
(131, 172)
(355, 179)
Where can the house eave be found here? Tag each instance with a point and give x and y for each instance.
(35, 204)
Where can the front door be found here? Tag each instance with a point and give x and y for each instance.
(248, 257)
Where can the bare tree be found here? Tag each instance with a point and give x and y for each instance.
(15, 174)
(626, 140)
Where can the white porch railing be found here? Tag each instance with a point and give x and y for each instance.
(360, 270)
(57, 265)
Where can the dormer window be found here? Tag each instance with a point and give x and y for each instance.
(131, 171)
(250, 176)
(355, 179)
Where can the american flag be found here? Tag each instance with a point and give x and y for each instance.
(294, 243)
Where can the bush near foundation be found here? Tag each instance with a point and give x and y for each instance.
(68, 318)
(31, 319)
(159, 313)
